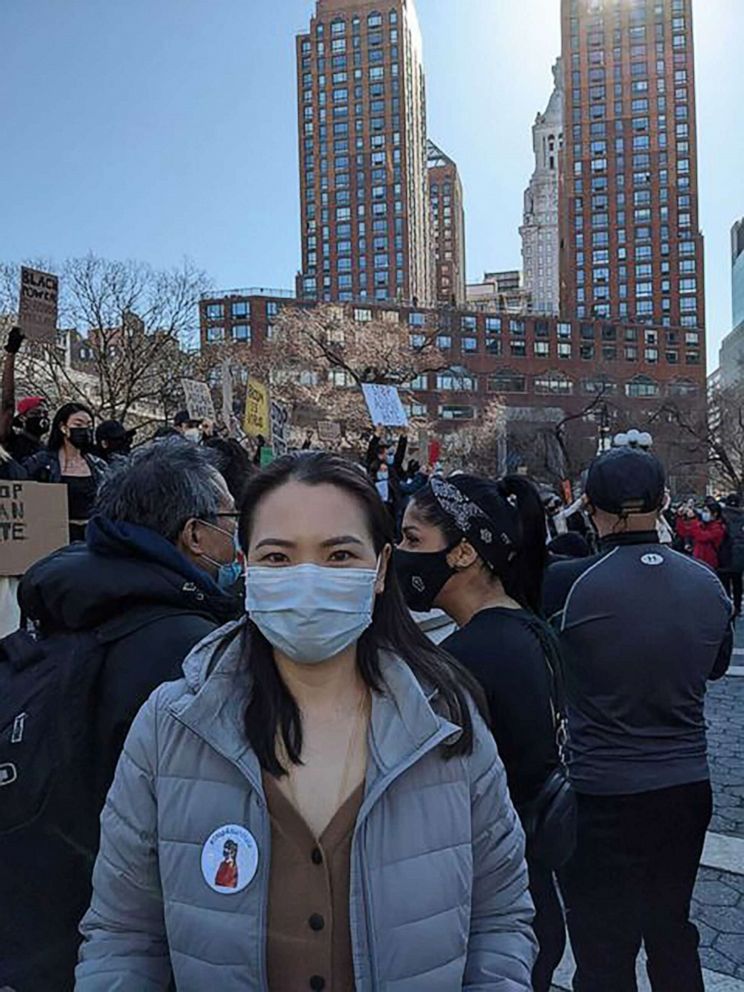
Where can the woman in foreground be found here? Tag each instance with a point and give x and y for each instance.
(373, 842)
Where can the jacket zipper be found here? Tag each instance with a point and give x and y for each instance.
(378, 790)
(265, 861)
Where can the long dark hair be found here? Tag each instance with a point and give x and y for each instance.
(272, 707)
(522, 578)
(56, 437)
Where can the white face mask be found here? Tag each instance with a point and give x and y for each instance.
(310, 612)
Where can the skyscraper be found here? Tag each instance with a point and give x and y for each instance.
(631, 247)
(737, 273)
(731, 355)
(447, 227)
(539, 231)
(363, 173)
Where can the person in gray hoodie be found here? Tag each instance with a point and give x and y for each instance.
(319, 803)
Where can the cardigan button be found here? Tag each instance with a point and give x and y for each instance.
(317, 856)
(317, 983)
(316, 922)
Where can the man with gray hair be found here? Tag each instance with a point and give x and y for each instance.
(157, 574)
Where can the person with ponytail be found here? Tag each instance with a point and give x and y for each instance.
(475, 549)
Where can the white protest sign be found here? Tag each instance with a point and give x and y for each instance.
(384, 405)
(198, 399)
(329, 430)
(37, 305)
(279, 416)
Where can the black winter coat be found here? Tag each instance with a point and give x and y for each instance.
(150, 606)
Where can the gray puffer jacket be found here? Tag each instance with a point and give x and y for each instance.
(438, 894)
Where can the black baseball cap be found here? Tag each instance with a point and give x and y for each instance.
(626, 481)
(112, 430)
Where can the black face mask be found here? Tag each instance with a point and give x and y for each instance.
(81, 438)
(36, 426)
(422, 576)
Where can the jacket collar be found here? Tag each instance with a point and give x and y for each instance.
(218, 677)
(632, 537)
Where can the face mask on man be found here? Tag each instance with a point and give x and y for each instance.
(310, 612)
(228, 573)
(81, 438)
(36, 426)
(422, 576)
(706, 516)
(193, 434)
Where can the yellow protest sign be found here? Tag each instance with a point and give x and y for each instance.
(257, 409)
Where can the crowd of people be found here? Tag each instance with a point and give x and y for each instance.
(239, 763)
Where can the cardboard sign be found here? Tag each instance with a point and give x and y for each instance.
(38, 304)
(384, 405)
(279, 428)
(33, 523)
(329, 430)
(198, 400)
(257, 409)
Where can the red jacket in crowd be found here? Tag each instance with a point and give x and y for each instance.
(706, 538)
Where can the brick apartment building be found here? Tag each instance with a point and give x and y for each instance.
(363, 153)
(540, 368)
(447, 227)
(631, 247)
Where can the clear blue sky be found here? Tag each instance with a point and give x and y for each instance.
(154, 129)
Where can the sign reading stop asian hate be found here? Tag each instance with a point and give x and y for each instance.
(38, 305)
(33, 523)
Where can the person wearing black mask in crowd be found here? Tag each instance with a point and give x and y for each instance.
(21, 430)
(476, 550)
(69, 459)
(643, 629)
(113, 440)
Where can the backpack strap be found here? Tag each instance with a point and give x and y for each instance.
(554, 662)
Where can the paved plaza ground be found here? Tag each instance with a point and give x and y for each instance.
(718, 905)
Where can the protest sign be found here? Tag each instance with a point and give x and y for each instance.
(279, 428)
(257, 409)
(267, 456)
(37, 305)
(384, 405)
(198, 400)
(33, 523)
(329, 430)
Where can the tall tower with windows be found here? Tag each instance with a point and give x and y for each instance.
(447, 227)
(631, 247)
(539, 230)
(363, 154)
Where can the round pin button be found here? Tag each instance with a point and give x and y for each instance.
(229, 859)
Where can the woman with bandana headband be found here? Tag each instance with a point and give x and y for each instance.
(476, 550)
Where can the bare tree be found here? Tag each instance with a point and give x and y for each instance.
(136, 326)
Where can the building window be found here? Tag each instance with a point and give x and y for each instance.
(241, 309)
(444, 342)
(469, 345)
(493, 324)
(642, 387)
(553, 384)
(452, 412)
(564, 350)
(215, 334)
(215, 311)
(541, 349)
(457, 380)
(507, 382)
(241, 332)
